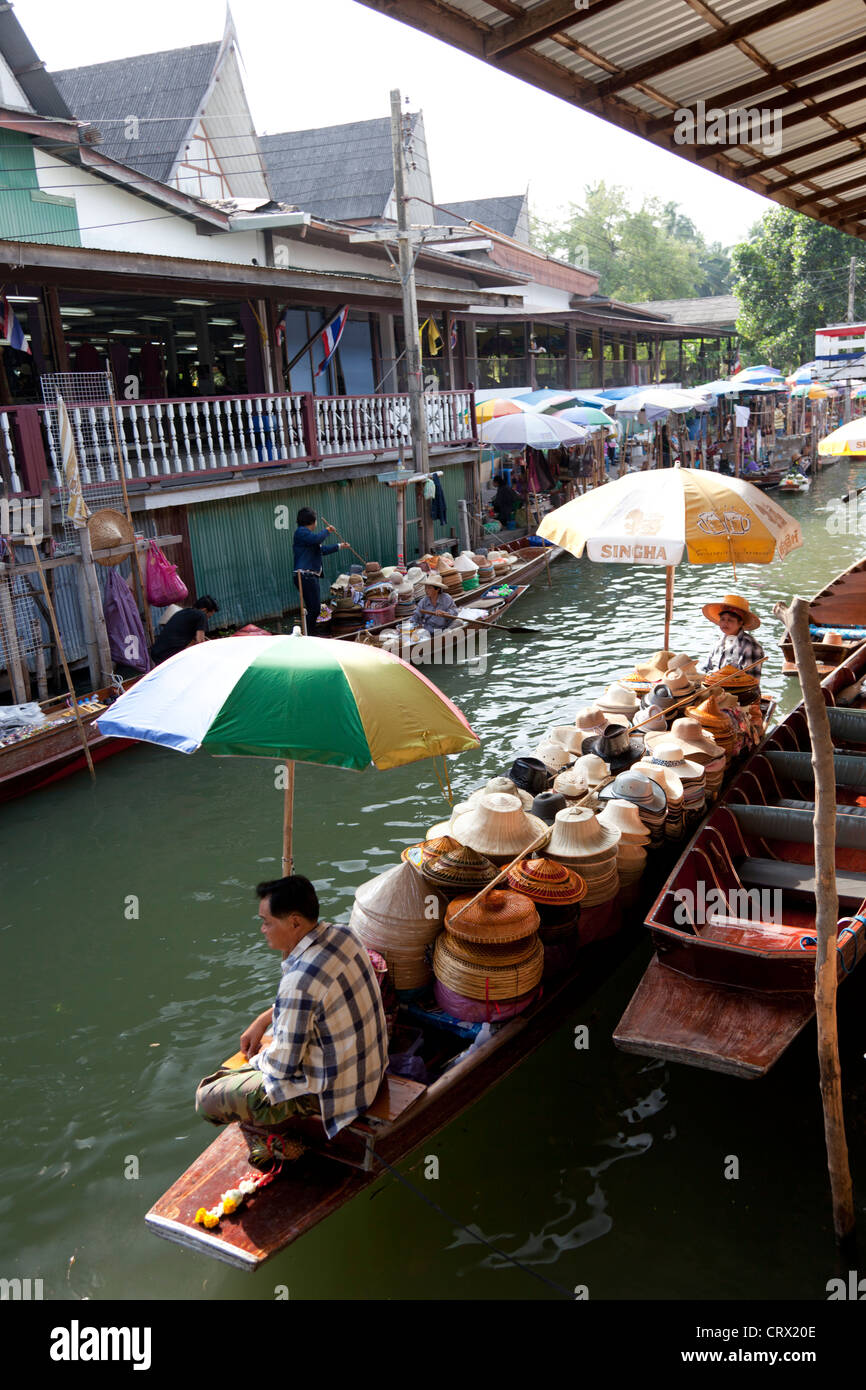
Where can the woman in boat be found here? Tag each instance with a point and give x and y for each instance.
(734, 646)
(437, 608)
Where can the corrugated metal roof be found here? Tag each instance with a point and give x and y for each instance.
(37, 85)
(641, 64)
(163, 90)
(507, 215)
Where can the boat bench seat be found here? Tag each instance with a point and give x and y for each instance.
(850, 768)
(794, 805)
(849, 725)
(799, 878)
(789, 823)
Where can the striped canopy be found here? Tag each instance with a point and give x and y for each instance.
(304, 699)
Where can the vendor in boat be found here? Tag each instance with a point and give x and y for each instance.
(183, 628)
(505, 501)
(308, 547)
(437, 609)
(734, 645)
(329, 1046)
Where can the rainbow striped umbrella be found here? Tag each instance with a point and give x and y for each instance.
(295, 699)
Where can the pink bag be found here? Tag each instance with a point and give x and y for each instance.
(163, 583)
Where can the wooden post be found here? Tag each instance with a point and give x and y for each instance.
(70, 687)
(39, 658)
(796, 620)
(669, 604)
(14, 660)
(288, 816)
(143, 605)
(88, 567)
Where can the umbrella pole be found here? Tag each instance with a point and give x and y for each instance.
(669, 604)
(303, 605)
(288, 817)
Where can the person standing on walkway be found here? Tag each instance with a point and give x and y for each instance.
(308, 548)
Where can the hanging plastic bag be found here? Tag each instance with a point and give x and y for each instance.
(164, 584)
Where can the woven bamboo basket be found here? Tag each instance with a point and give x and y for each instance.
(483, 982)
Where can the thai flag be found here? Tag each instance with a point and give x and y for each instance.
(453, 337)
(12, 330)
(331, 336)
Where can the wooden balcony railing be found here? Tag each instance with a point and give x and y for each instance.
(207, 436)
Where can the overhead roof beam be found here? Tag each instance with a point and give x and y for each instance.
(539, 23)
(815, 175)
(809, 113)
(807, 199)
(783, 101)
(803, 151)
(701, 48)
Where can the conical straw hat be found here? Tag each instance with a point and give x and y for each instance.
(458, 870)
(546, 882)
(497, 825)
(578, 834)
(397, 895)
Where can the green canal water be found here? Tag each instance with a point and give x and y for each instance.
(590, 1167)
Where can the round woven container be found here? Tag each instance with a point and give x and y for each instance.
(487, 982)
(458, 871)
(499, 916)
(546, 882)
(513, 953)
(553, 933)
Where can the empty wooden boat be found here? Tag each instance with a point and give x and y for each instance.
(732, 981)
(837, 616)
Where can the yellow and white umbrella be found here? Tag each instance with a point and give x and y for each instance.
(848, 440)
(656, 517)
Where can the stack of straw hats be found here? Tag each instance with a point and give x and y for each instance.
(618, 699)
(701, 748)
(674, 792)
(743, 685)
(557, 893)
(405, 595)
(555, 756)
(488, 955)
(580, 842)
(450, 576)
(569, 735)
(497, 826)
(624, 816)
(416, 576)
(505, 784)
(668, 754)
(647, 794)
(373, 574)
(391, 916)
(486, 572)
(590, 721)
(715, 722)
(457, 871)
(572, 783)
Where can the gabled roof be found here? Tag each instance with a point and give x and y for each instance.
(341, 172)
(165, 91)
(506, 215)
(27, 68)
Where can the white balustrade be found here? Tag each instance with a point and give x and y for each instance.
(6, 431)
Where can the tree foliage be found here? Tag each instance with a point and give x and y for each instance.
(791, 277)
(651, 252)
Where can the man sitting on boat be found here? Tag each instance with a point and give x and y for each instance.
(734, 647)
(329, 1046)
(437, 609)
(185, 626)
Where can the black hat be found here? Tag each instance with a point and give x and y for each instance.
(546, 805)
(530, 774)
(615, 747)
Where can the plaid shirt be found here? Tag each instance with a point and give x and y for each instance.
(329, 1032)
(741, 651)
(436, 616)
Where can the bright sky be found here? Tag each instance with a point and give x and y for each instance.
(321, 62)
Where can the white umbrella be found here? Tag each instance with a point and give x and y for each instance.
(662, 398)
(538, 431)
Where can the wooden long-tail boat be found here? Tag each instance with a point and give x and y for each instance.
(732, 981)
(55, 750)
(839, 608)
(405, 1114)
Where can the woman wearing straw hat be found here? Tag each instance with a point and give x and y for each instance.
(437, 608)
(734, 647)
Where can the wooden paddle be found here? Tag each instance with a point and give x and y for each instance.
(345, 542)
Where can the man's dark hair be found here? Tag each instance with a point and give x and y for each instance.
(306, 516)
(207, 604)
(292, 894)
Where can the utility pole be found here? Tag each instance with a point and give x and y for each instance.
(852, 281)
(406, 245)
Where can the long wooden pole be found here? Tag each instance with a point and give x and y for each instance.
(141, 599)
(669, 603)
(88, 566)
(59, 643)
(796, 620)
(288, 818)
(345, 542)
